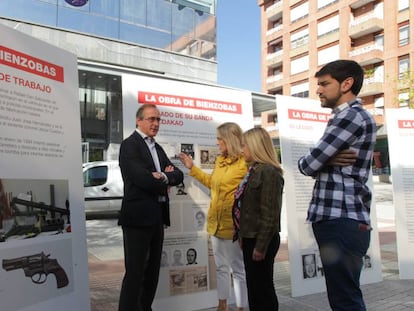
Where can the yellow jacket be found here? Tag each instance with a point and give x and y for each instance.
(223, 182)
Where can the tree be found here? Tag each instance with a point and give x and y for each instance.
(405, 87)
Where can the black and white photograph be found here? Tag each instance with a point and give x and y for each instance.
(309, 266)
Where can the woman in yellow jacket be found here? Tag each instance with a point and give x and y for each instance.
(229, 170)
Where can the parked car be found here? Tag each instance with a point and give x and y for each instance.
(103, 189)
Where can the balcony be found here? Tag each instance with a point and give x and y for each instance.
(372, 86)
(275, 59)
(273, 79)
(299, 49)
(367, 24)
(368, 55)
(358, 3)
(275, 11)
(328, 38)
(208, 50)
(274, 83)
(273, 33)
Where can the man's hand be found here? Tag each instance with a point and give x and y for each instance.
(343, 158)
(169, 168)
(158, 175)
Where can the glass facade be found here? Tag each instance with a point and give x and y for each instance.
(100, 102)
(183, 26)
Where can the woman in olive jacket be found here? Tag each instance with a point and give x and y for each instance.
(227, 174)
(257, 217)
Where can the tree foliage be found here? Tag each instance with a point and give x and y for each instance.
(405, 85)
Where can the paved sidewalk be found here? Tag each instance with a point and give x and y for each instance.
(391, 294)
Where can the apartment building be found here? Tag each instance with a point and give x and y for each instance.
(299, 36)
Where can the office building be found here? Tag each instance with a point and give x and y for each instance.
(171, 39)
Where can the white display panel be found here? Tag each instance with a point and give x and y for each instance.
(43, 252)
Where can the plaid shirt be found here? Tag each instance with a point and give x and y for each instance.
(341, 192)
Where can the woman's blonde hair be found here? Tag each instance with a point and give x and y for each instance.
(231, 134)
(261, 147)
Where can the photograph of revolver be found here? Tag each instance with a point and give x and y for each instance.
(38, 267)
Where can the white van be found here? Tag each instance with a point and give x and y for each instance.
(103, 189)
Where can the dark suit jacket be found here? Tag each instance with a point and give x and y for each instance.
(140, 205)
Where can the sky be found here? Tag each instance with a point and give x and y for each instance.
(238, 44)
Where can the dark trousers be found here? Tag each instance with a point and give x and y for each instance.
(142, 255)
(342, 244)
(259, 276)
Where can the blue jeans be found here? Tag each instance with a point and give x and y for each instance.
(342, 244)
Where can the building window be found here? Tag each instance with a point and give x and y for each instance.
(405, 82)
(277, 23)
(379, 102)
(325, 3)
(299, 64)
(299, 38)
(328, 25)
(327, 55)
(301, 11)
(403, 99)
(403, 5)
(379, 106)
(300, 90)
(276, 47)
(379, 41)
(379, 73)
(277, 73)
(404, 35)
(272, 118)
(403, 66)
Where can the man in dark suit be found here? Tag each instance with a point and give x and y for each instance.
(147, 173)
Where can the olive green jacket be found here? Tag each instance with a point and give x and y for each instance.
(261, 204)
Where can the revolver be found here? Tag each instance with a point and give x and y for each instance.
(38, 267)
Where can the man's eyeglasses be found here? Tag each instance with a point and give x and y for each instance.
(153, 119)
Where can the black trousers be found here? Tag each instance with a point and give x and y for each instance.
(259, 276)
(142, 255)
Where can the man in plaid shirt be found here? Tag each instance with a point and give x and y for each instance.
(340, 163)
